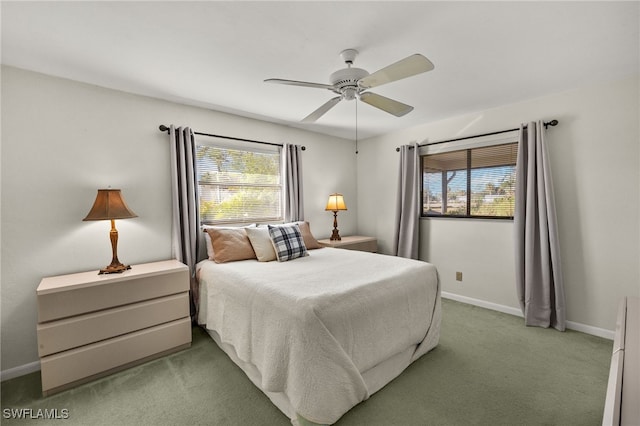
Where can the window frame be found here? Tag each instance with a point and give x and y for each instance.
(219, 143)
(463, 144)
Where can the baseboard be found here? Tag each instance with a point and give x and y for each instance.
(583, 328)
(20, 370)
(483, 304)
(589, 329)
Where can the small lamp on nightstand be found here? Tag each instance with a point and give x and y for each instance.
(335, 203)
(109, 205)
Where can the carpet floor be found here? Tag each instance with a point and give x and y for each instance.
(489, 369)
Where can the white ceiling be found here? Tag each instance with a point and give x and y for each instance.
(217, 54)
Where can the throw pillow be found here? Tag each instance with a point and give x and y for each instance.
(287, 242)
(230, 245)
(261, 243)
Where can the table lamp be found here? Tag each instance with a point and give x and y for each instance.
(335, 203)
(109, 205)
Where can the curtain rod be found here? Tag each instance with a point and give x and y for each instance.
(546, 124)
(164, 128)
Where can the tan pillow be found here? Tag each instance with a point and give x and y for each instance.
(230, 245)
(261, 242)
(207, 236)
(309, 240)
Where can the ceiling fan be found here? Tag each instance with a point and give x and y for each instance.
(351, 83)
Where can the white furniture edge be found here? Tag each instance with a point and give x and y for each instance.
(92, 278)
(623, 387)
(348, 239)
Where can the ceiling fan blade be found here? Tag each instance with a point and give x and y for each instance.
(299, 83)
(407, 67)
(322, 110)
(388, 105)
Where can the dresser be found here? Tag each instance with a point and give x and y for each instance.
(92, 325)
(353, 242)
(623, 391)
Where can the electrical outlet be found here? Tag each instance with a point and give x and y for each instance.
(458, 276)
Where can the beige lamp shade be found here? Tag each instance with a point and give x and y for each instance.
(109, 204)
(335, 203)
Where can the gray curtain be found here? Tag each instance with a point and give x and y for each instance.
(408, 203)
(537, 250)
(293, 201)
(185, 211)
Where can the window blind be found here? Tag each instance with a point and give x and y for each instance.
(239, 185)
(476, 182)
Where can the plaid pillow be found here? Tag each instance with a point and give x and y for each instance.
(287, 242)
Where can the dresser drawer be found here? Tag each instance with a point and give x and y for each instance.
(124, 289)
(95, 360)
(61, 335)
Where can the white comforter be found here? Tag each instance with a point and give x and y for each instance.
(313, 325)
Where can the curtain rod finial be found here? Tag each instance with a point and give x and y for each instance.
(551, 123)
(163, 128)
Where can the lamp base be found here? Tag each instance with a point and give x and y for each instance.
(335, 236)
(114, 269)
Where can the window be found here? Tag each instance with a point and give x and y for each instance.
(239, 185)
(476, 182)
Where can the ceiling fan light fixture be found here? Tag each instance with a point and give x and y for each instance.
(349, 93)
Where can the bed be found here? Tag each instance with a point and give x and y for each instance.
(323, 332)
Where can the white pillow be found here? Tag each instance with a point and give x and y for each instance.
(261, 242)
(207, 239)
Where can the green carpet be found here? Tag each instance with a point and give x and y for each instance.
(489, 369)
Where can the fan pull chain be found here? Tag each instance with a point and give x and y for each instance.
(356, 126)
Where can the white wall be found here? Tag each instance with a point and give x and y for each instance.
(595, 160)
(62, 140)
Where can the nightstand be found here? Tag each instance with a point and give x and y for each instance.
(92, 325)
(353, 242)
